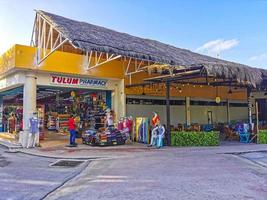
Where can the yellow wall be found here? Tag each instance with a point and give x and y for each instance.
(205, 92)
(208, 92)
(7, 60)
(62, 62)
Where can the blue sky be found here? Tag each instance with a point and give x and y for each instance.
(234, 30)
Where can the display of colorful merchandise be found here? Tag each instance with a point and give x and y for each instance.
(141, 130)
(51, 124)
(106, 138)
(62, 122)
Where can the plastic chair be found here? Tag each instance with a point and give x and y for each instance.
(244, 137)
(207, 127)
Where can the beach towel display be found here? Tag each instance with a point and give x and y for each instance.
(141, 130)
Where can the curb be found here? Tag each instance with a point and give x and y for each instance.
(55, 157)
(9, 146)
(68, 158)
(243, 152)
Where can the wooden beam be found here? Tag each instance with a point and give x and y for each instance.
(168, 114)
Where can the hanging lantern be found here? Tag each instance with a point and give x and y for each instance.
(218, 100)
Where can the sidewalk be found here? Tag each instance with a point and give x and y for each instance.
(60, 149)
(8, 141)
(88, 152)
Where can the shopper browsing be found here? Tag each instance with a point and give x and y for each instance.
(71, 124)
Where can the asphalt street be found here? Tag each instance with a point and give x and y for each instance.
(30, 177)
(169, 173)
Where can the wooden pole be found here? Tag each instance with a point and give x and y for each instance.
(187, 111)
(249, 106)
(257, 121)
(257, 117)
(228, 111)
(168, 114)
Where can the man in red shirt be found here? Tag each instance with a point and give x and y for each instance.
(72, 130)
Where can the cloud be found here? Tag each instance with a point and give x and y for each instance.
(261, 57)
(217, 46)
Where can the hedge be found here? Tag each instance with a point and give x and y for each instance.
(194, 138)
(262, 137)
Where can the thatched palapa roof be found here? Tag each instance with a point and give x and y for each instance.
(90, 37)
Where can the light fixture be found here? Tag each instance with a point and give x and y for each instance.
(52, 90)
(218, 100)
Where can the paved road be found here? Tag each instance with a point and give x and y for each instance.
(173, 173)
(170, 174)
(30, 177)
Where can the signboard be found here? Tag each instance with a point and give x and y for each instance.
(74, 81)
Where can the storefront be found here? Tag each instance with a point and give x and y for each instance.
(93, 68)
(55, 97)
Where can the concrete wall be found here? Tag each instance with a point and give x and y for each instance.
(198, 112)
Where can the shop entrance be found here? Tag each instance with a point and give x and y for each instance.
(11, 110)
(54, 106)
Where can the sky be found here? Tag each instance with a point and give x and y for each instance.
(233, 30)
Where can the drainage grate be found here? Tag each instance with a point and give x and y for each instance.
(3, 161)
(67, 163)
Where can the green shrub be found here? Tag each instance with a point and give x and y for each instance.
(194, 139)
(262, 137)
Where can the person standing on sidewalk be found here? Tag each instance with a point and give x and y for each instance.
(72, 130)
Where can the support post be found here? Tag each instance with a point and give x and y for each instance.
(257, 116)
(249, 109)
(29, 105)
(249, 105)
(119, 100)
(228, 111)
(187, 111)
(168, 114)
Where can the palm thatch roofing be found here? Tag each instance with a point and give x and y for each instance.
(89, 37)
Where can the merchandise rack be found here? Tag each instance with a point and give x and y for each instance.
(62, 122)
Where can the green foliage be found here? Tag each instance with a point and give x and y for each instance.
(194, 139)
(262, 137)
